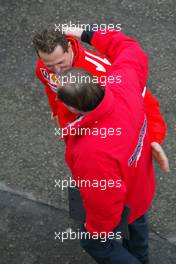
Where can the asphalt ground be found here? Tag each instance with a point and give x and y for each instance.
(33, 233)
(31, 158)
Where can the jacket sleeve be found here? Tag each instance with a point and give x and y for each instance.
(118, 47)
(103, 204)
(125, 54)
(50, 94)
(52, 100)
(156, 123)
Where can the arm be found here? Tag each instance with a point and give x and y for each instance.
(156, 130)
(52, 100)
(124, 52)
(51, 97)
(130, 55)
(156, 123)
(126, 55)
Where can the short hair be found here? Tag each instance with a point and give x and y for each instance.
(48, 40)
(82, 96)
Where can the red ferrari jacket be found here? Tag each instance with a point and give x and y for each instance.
(124, 155)
(96, 64)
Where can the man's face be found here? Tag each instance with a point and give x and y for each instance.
(58, 60)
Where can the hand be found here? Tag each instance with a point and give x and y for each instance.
(160, 156)
(73, 31)
(55, 120)
(57, 127)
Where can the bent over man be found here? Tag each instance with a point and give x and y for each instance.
(124, 157)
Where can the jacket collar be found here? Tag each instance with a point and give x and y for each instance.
(78, 51)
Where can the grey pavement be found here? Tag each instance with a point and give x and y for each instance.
(30, 234)
(31, 159)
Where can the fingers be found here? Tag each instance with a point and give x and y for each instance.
(160, 156)
(163, 162)
(55, 120)
(73, 31)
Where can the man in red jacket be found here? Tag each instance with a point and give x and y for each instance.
(58, 53)
(122, 156)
